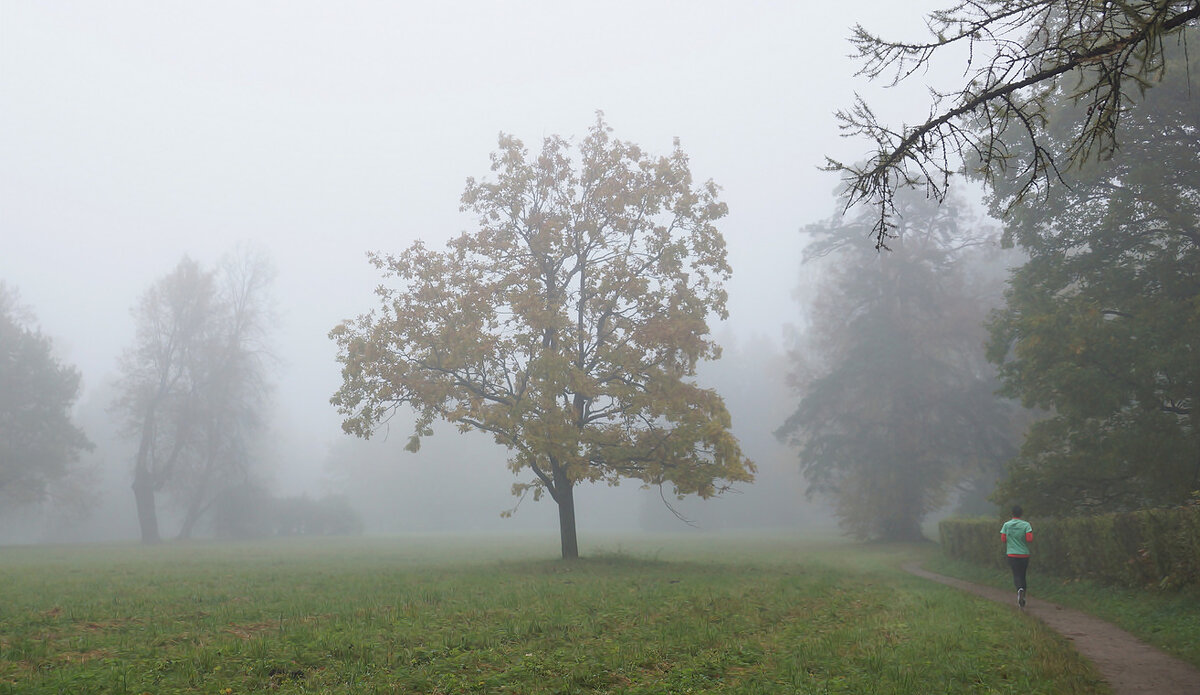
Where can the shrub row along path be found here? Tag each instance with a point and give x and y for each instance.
(1130, 666)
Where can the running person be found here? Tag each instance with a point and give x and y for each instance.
(1016, 534)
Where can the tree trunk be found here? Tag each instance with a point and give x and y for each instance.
(189, 523)
(196, 507)
(564, 495)
(143, 494)
(143, 485)
(195, 511)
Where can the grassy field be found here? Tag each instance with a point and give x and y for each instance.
(501, 615)
(1170, 620)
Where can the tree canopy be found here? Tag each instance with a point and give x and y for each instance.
(1101, 54)
(38, 440)
(194, 383)
(897, 407)
(1101, 326)
(567, 325)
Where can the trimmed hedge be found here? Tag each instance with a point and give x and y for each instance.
(1157, 548)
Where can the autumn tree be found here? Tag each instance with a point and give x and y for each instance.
(38, 439)
(897, 409)
(567, 325)
(192, 385)
(1100, 328)
(1101, 54)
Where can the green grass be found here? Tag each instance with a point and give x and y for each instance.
(428, 615)
(1170, 620)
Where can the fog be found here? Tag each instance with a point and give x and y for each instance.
(134, 133)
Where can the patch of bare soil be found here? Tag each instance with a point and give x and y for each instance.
(1130, 666)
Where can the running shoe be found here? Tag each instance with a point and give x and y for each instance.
(1021, 598)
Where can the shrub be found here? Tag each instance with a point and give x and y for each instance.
(250, 511)
(1157, 548)
(303, 516)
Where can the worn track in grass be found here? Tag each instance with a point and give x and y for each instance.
(1130, 666)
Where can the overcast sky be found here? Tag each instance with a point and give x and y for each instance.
(132, 133)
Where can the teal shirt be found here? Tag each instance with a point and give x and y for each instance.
(1014, 530)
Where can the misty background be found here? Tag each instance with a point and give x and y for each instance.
(132, 134)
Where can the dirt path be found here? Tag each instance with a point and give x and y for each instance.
(1130, 666)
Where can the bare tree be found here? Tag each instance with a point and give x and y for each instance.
(1101, 53)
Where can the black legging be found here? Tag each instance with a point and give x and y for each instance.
(1019, 566)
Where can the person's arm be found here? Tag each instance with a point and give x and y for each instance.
(1003, 537)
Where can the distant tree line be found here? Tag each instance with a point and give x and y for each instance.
(191, 400)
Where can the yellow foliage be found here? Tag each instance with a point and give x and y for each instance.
(567, 324)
